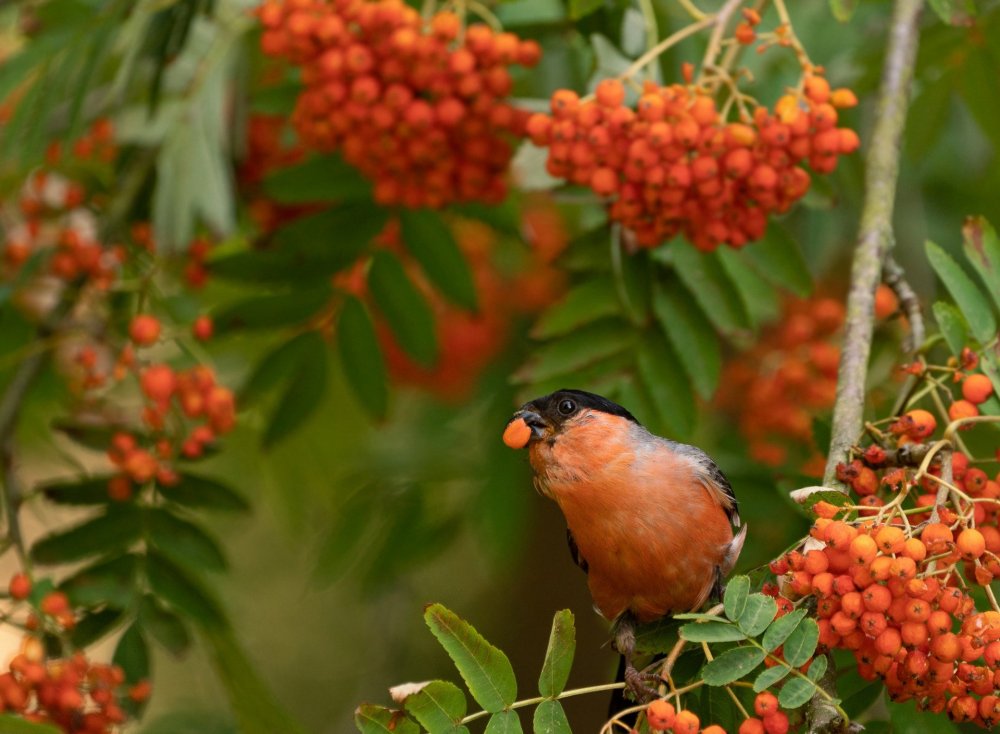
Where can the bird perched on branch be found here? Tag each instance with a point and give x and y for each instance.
(649, 520)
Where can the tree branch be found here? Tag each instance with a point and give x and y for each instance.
(875, 240)
(875, 235)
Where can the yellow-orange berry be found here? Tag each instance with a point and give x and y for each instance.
(971, 544)
(144, 329)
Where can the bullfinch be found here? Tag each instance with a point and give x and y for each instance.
(651, 521)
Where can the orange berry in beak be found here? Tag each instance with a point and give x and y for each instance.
(517, 434)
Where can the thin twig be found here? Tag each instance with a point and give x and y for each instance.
(895, 278)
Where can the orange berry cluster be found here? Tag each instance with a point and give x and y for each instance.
(55, 223)
(976, 389)
(769, 718)
(879, 594)
(663, 716)
(418, 108)
(73, 694)
(674, 166)
(779, 385)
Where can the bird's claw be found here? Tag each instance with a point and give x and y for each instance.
(635, 683)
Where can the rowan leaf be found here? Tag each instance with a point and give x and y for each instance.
(734, 600)
(779, 630)
(757, 614)
(558, 655)
(712, 632)
(485, 669)
(550, 718)
(732, 665)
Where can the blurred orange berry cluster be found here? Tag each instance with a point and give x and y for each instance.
(787, 378)
(674, 166)
(53, 219)
(418, 107)
(72, 693)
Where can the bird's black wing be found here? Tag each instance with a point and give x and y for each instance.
(732, 512)
(574, 551)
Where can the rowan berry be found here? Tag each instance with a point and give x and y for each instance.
(776, 723)
(961, 409)
(20, 586)
(686, 722)
(977, 388)
(144, 329)
(661, 714)
(970, 543)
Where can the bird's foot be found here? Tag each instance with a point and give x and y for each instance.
(636, 684)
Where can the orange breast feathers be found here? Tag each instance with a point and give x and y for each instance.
(645, 514)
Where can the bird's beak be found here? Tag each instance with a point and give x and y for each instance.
(526, 426)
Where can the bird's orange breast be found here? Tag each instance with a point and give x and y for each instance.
(651, 533)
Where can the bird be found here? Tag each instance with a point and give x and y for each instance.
(650, 520)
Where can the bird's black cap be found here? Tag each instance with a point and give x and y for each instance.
(549, 404)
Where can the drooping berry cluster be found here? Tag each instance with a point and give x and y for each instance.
(420, 109)
(674, 166)
(72, 693)
(664, 716)
(788, 377)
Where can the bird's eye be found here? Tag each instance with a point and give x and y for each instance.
(566, 407)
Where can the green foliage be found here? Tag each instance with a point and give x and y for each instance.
(438, 706)
(558, 655)
(485, 669)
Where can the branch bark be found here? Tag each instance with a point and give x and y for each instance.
(875, 237)
(875, 241)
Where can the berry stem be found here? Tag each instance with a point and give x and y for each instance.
(691, 9)
(720, 21)
(672, 40)
(538, 699)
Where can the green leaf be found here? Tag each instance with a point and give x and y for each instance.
(550, 718)
(575, 351)
(709, 285)
(89, 491)
(954, 12)
(967, 295)
(183, 542)
(779, 259)
(166, 627)
(770, 676)
(437, 706)
(558, 655)
(309, 249)
(801, 643)
(732, 665)
(796, 691)
(183, 593)
(757, 615)
(583, 304)
(132, 655)
(110, 581)
(953, 326)
(361, 357)
(843, 10)
(712, 632)
(255, 707)
(272, 311)
(405, 309)
(114, 530)
(430, 240)
(204, 493)
(734, 600)
(781, 628)
(663, 377)
(276, 367)
(690, 334)
(371, 719)
(13, 724)
(93, 626)
(906, 718)
(321, 178)
(817, 668)
(485, 669)
(504, 722)
(582, 8)
(695, 615)
(634, 276)
(301, 397)
(982, 249)
(759, 298)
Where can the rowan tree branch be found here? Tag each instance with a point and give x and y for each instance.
(875, 233)
(875, 240)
